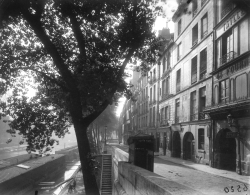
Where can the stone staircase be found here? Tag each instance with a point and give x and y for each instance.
(106, 182)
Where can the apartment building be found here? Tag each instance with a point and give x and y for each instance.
(192, 55)
(230, 109)
(166, 98)
(199, 92)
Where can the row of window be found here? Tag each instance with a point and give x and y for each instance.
(233, 89)
(232, 43)
(194, 67)
(196, 110)
(204, 32)
(195, 11)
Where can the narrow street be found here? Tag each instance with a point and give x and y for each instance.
(204, 182)
(201, 181)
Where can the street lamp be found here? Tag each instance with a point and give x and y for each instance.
(234, 123)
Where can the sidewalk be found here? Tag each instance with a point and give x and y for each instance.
(205, 168)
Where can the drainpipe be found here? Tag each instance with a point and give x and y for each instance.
(212, 99)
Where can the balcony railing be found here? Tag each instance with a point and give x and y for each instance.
(194, 78)
(202, 116)
(152, 80)
(204, 34)
(177, 119)
(195, 12)
(178, 87)
(227, 9)
(227, 57)
(164, 122)
(178, 57)
(195, 42)
(203, 2)
(193, 117)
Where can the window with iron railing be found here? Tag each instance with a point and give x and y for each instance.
(179, 27)
(194, 70)
(224, 91)
(201, 139)
(202, 102)
(195, 35)
(204, 26)
(195, 7)
(203, 63)
(203, 2)
(228, 57)
(193, 117)
(177, 110)
(179, 51)
(193, 114)
(226, 8)
(163, 64)
(178, 80)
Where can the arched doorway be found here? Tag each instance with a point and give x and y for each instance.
(176, 152)
(225, 151)
(187, 146)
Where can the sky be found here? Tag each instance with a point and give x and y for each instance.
(169, 8)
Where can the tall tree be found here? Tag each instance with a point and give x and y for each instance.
(73, 53)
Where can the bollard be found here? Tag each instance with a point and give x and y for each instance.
(36, 192)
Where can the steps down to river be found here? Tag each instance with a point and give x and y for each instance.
(106, 182)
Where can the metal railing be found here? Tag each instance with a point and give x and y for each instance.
(227, 9)
(203, 2)
(195, 12)
(164, 122)
(193, 117)
(194, 78)
(202, 116)
(195, 42)
(152, 80)
(177, 119)
(178, 87)
(204, 34)
(228, 57)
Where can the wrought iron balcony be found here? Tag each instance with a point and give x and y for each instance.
(203, 2)
(193, 117)
(177, 119)
(152, 80)
(202, 116)
(204, 34)
(164, 122)
(194, 78)
(227, 9)
(228, 57)
(195, 12)
(195, 42)
(178, 87)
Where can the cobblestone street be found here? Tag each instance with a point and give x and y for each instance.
(203, 182)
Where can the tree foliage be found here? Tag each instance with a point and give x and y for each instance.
(73, 53)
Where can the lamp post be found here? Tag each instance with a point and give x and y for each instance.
(234, 123)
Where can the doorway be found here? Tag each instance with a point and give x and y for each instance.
(225, 151)
(188, 149)
(176, 145)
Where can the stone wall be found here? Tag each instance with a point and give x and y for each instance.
(135, 180)
(130, 179)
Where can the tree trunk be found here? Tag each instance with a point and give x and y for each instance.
(90, 184)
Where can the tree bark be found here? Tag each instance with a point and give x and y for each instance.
(90, 184)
